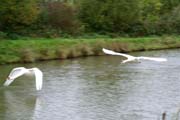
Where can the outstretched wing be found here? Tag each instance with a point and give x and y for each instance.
(110, 52)
(39, 78)
(16, 72)
(154, 59)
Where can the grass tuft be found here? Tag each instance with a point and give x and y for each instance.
(61, 53)
(27, 55)
(85, 50)
(72, 53)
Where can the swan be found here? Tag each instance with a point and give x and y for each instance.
(133, 58)
(19, 71)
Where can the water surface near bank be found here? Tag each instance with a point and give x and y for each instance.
(95, 88)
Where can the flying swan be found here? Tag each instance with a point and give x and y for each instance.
(133, 58)
(19, 71)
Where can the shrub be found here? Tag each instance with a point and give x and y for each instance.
(62, 16)
(109, 15)
(3, 35)
(17, 15)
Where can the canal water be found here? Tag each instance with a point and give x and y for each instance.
(95, 88)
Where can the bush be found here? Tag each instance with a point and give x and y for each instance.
(62, 16)
(109, 15)
(3, 35)
(17, 15)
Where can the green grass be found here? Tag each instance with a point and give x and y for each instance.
(31, 50)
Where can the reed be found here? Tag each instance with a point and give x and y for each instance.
(73, 53)
(27, 55)
(85, 50)
(61, 53)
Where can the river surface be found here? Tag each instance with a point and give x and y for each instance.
(95, 88)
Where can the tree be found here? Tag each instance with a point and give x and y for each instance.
(62, 16)
(150, 10)
(15, 14)
(109, 15)
(169, 5)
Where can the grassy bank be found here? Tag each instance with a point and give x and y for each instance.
(12, 51)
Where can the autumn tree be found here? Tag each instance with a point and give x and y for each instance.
(15, 14)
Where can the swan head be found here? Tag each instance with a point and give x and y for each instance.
(133, 59)
(8, 81)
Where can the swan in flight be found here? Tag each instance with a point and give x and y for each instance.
(19, 71)
(133, 58)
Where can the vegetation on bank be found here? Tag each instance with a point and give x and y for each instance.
(31, 50)
(63, 18)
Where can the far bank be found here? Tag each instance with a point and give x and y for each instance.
(32, 50)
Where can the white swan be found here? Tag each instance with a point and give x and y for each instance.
(19, 71)
(132, 58)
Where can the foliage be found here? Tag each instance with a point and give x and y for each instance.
(109, 15)
(171, 21)
(169, 5)
(3, 35)
(67, 18)
(16, 15)
(62, 16)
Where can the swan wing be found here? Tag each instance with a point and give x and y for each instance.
(110, 52)
(15, 73)
(154, 59)
(39, 78)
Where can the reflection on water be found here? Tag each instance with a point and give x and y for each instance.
(95, 88)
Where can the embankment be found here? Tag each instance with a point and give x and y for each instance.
(31, 50)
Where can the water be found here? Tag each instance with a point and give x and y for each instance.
(95, 88)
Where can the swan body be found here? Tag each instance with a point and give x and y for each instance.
(133, 58)
(19, 71)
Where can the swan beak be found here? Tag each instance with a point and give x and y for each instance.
(123, 62)
(8, 81)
